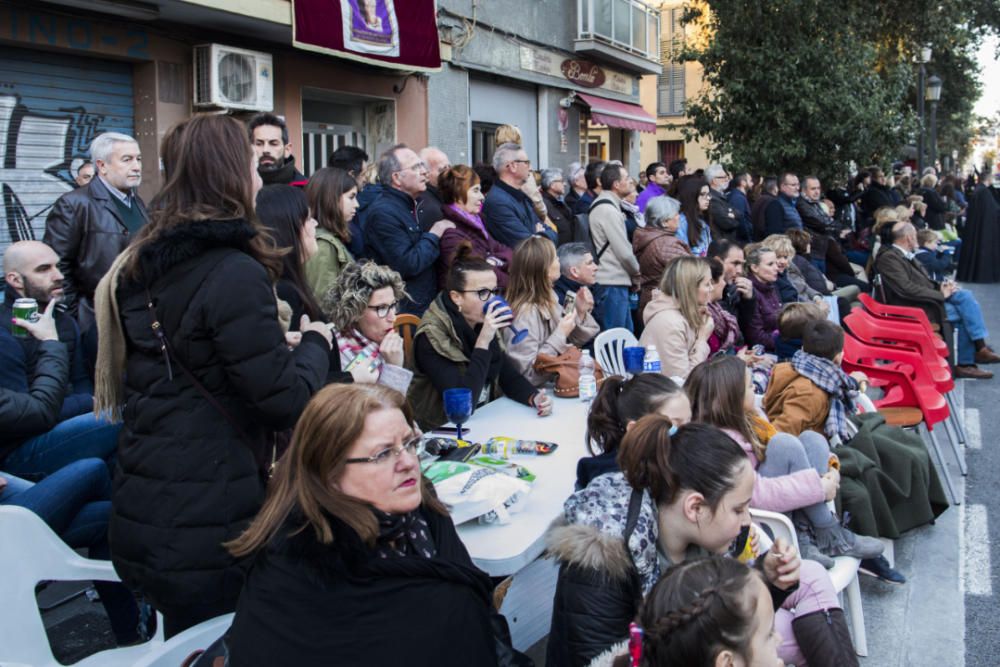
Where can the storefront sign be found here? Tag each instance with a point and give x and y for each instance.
(583, 73)
(388, 33)
(580, 72)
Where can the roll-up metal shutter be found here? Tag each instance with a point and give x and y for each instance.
(51, 108)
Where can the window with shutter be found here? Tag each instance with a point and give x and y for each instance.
(670, 84)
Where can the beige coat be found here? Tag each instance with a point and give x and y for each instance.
(544, 337)
(680, 347)
(607, 225)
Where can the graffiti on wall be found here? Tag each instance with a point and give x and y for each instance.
(40, 154)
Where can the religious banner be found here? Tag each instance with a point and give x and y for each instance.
(401, 34)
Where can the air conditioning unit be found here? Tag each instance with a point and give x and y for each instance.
(230, 78)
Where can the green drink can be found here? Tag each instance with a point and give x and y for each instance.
(24, 309)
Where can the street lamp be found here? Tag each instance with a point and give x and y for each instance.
(933, 95)
(923, 57)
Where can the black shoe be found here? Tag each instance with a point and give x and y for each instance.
(879, 567)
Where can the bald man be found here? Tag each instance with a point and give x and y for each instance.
(430, 207)
(31, 271)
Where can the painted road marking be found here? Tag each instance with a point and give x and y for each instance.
(974, 545)
(973, 434)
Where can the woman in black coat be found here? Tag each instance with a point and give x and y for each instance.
(187, 315)
(936, 206)
(356, 562)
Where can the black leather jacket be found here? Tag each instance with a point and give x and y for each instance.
(87, 232)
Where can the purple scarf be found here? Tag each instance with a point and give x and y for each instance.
(471, 219)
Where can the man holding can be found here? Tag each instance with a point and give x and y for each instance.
(33, 282)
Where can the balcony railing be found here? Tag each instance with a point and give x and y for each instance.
(629, 25)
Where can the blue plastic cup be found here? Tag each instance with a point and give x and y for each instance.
(519, 334)
(633, 357)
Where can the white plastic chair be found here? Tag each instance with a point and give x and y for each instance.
(609, 349)
(844, 575)
(29, 553)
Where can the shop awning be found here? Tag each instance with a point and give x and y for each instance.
(618, 114)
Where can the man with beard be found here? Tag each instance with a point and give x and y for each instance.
(31, 270)
(275, 162)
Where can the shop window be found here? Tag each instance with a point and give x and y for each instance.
(670, 84)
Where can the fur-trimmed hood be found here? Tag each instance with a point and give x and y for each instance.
(607, 659)
(182, 242)
(590, 532)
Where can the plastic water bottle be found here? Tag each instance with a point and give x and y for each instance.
(651, 363)
(588, 383)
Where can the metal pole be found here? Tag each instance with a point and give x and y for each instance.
(920, 115)
(933, 146)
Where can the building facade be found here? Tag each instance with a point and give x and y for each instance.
(560, 70)
(666, 94)
(68, 74)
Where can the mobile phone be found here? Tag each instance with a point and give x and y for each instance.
(569, 303)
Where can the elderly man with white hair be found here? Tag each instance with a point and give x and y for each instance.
(725, 222)
(88, 227)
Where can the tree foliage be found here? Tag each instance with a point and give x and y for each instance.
(815, 86)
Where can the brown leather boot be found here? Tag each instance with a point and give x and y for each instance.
(972, 373)
(824, 639)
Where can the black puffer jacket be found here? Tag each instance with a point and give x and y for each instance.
(186, 481)
(23, 415)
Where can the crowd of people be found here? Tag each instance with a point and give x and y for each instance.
(216, 397)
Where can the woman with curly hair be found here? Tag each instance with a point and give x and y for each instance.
(362, 307)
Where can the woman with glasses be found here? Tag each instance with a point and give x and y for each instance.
(356, 562)
(362, 306)
(457, 345)
(551, 330)
(463, 201)
(694, 230)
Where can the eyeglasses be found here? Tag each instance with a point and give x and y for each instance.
(528, 162)
(484, 294)
(383, 310)
(417, 166)
(414, 446)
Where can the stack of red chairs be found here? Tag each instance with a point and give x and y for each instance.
(902, 356)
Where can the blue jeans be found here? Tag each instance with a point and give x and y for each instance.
(964, 313)
(612, 302)
(81, 437)
(75, 503)
(859, 257)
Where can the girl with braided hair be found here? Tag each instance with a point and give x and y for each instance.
(707, 611)
(677, 498)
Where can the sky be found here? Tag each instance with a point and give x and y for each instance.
(989, 103)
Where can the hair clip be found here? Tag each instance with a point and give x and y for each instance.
(635, 643)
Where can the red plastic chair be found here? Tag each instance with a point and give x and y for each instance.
(906, 404)
(909, 335)
(887, 312)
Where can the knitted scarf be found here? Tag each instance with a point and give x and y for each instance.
(109, 374)
(726, 328)
(832, 379)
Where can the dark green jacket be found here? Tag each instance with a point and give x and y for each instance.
(887, 482)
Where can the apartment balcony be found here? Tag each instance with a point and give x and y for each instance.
(625, 32)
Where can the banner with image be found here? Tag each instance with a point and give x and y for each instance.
(401, 34)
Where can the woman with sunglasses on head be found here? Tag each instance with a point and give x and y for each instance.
(362, 307)
(355, 561)
(457, 345)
